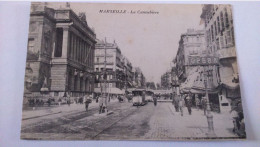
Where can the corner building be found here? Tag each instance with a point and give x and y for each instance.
(60, 54)
(218, 21)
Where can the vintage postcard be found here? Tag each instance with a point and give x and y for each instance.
(102, 71)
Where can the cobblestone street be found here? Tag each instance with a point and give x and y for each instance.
(151, 122)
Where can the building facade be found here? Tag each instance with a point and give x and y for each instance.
(128, 70)
(60, 55)
(191, 78)
(138, 78)
(166, 80)
(115, 67)
(192, 43)
(218, 22)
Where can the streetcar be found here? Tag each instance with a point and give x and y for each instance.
(149, 96)
(139, 97)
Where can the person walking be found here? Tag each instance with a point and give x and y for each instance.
(68, 99)
(97, 98)
(154, 100)
(197, 102)
(204, 104)
(59, 101)
(49, 102)
(181, 103)
(101, 104)
(86, 101)
(189, 103)
(175, 102)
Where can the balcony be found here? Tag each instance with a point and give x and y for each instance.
(226, 53)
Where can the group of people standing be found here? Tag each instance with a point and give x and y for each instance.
(179, 101)
(86, 99)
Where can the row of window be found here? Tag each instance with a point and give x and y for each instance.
(80, 50)
(194, 39)
(218, 26)
(220, 34)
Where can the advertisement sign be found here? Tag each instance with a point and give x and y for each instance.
(209, 60)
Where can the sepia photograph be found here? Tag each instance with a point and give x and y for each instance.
(111, 71)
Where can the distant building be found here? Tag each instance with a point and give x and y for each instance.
(60, 54)
(166, 80)
(218, 21)
(128, 70)
(138, 78)
(192, 43)
(115, 67)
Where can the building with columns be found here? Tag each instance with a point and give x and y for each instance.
(218, 23)
(60, 55)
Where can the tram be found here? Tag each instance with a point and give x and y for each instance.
(139, 96)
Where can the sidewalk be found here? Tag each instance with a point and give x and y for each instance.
(196, 125)
(167, 124)
(30, 114)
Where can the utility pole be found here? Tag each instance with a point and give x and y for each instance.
(125, 79)
(105, 73)
(207, 74)
(104, 80)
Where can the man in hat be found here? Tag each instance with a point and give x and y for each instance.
(204, 104)
(189, 102)
(87, 100)
(197, 101)
(181, 103)
(154, 100)
(175, 101)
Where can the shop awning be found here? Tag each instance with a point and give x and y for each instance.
(230, 85)
(195, 81)
(202, 91)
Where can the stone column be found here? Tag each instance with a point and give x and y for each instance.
(65, 42)
(84, 57)
(71, 46)
(78, 83)
(76, 49)
(81, 51)
(84, 84)
(72, 82)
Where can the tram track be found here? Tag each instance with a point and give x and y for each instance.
(112, 124)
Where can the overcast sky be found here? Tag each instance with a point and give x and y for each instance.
(149, 41)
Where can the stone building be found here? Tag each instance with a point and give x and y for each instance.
(60, 55)
(191, 77)
(138, 78)
(128, 70)
(192, 43)
(166, 80)
(218, 22)
(114, 67)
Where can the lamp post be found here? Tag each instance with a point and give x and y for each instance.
(104, 95)
(125, 68)
(208, 73)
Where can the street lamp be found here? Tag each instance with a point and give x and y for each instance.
(207, 74)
